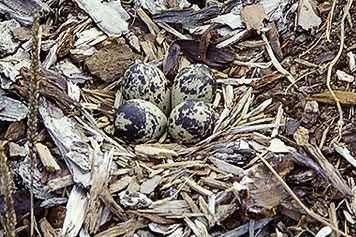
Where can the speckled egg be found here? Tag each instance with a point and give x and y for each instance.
(191, 121)
(196, 81)
(145, 82)
(139, 121)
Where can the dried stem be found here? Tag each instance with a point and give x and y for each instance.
(7, 189)
(330, 20)
(333, 62)
(33, 105)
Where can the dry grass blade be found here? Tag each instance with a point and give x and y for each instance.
(305, 208)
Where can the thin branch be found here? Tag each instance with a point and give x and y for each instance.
(333, 62)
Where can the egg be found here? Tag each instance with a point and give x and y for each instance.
(196, 81)
(145, 82)
(139, 121)
(191, 121)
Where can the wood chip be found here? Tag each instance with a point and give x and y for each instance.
(63, 131)
(75, 214)
(148, 47)
(111, 61)
(208, 214)
(149, 185)
(344, 152)
(100, 177)
(228, 168)
(58, 183)
(180, 164)
(12, 110)
(343, 76)
(214, 183)
(120, 184)
(109, 16)
(307, 17)
(155, 152)
(196, 187)
(46, 158)
(47, 229)
(128, 227)
(112, 205)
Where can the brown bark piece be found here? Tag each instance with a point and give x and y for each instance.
(273, 38)
(111, 61)
(266, 193)
(15, 131)
(206, 40)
